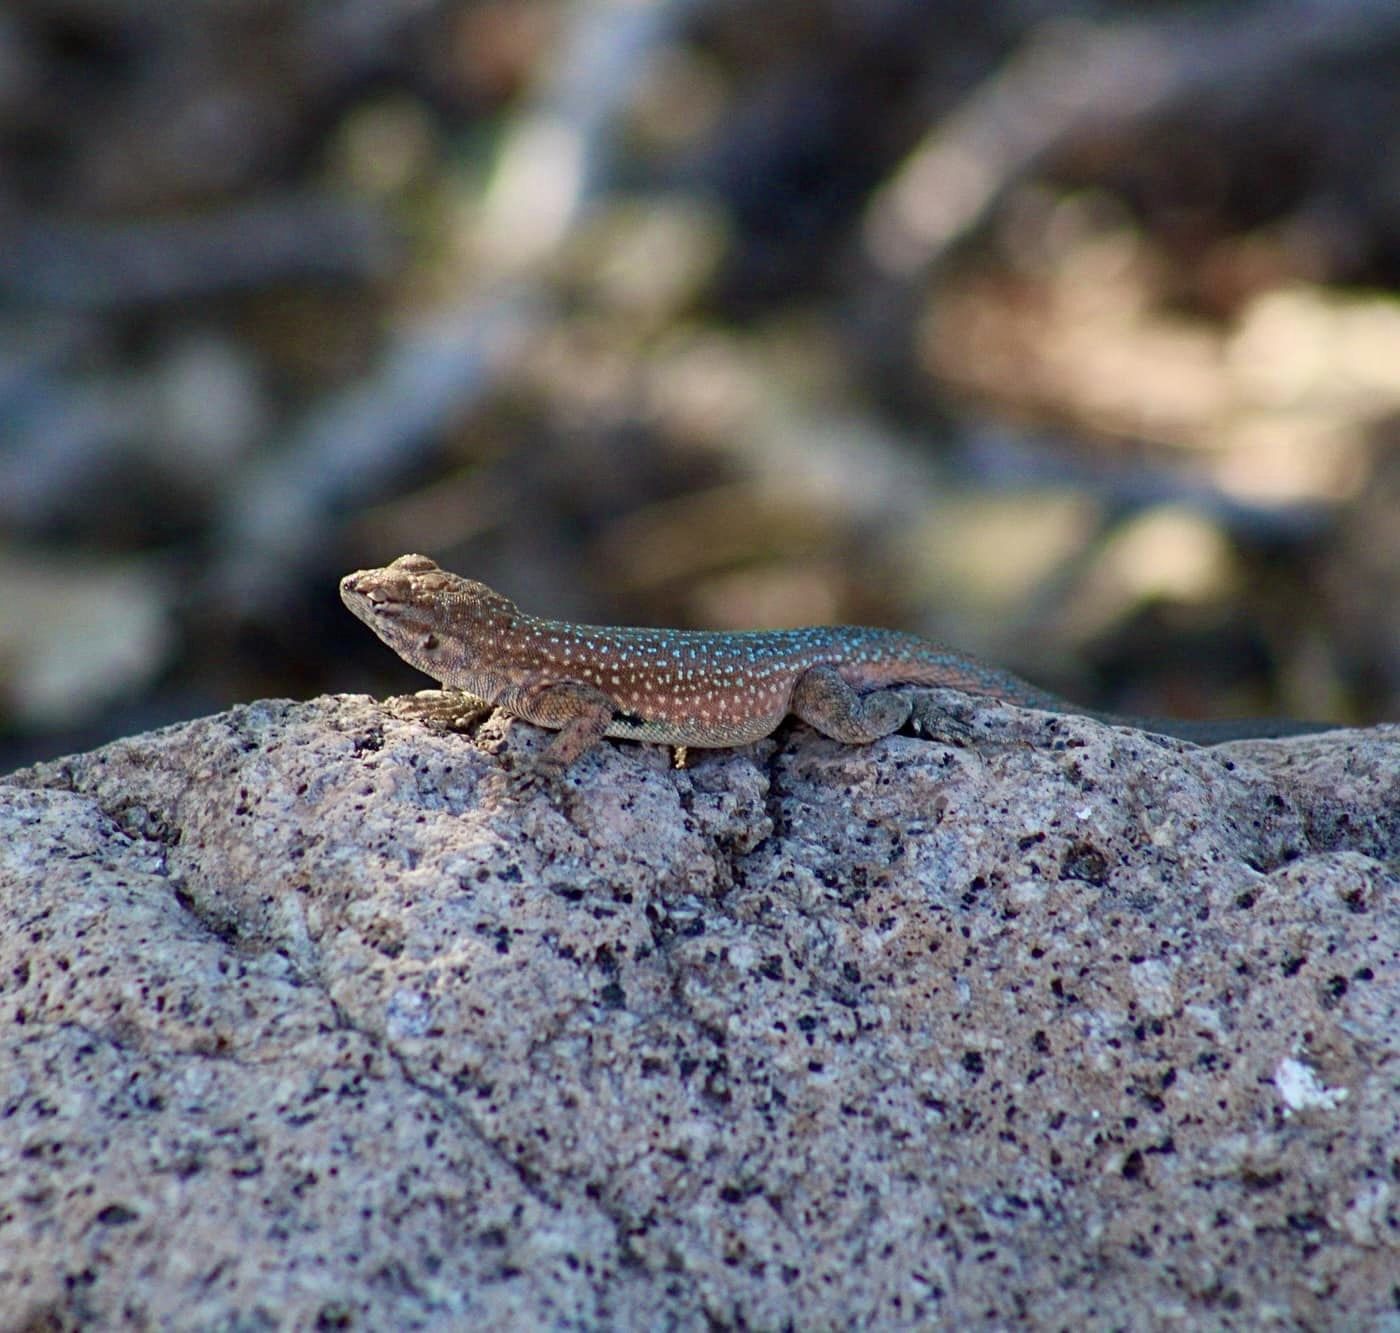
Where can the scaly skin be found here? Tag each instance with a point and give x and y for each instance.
(682, 687)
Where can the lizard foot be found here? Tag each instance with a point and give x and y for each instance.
(537, 777)
(450, 709)
(953, 718)
(934, 719)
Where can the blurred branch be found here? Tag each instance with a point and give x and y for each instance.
(434, 370)
(997, 456)
(358, 440)
(1070, 79)
(102, 266)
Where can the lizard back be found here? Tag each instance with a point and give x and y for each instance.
(715, 688)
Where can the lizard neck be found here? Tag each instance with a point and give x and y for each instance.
(462, 634)
(484, 648)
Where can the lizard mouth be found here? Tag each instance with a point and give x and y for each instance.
(365, 596)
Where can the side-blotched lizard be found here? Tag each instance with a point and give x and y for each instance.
(683, 687)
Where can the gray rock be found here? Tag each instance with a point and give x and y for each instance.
(305, 1020)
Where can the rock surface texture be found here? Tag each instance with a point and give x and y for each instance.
(306, 1021)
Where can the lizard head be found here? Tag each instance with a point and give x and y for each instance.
(439, 622)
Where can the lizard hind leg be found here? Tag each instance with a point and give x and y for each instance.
(824, 699)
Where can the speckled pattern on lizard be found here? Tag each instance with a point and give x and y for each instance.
(684, 687)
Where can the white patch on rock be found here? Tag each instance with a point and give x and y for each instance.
(1300, 1089)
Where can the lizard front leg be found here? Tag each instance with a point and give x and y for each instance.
(579, 713)
(824, 699)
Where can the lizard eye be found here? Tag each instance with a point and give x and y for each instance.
(428, 643)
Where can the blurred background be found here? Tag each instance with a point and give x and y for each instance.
(1066, 333)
